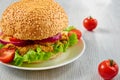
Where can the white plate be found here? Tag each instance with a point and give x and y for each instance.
(69, 56)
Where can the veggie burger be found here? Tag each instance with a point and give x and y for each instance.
(34, 31)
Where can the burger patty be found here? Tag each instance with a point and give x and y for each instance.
(46, 47)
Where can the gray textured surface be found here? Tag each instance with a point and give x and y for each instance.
(101, 44)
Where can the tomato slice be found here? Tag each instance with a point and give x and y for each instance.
(77, 32)
(12, 39)
(7, 55)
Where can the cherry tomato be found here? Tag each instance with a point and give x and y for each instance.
(7, 54)
(90, 23)
(76, 31)
(12, 39)
(108, 69)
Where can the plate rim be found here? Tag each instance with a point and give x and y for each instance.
(49, 67)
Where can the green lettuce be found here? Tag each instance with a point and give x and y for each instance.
(31, 56)
(1, 45)
(61, 46)
(73, 39)
(69, 28)
(58, 47)
(66, 45)
(47, 55)
(18, 59)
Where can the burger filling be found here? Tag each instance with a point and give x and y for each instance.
(38, 50)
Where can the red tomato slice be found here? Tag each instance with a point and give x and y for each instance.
(7, 54)
(77, 32)
(12, 39)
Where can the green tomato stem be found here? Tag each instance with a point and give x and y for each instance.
(90, 17)
(111, 62)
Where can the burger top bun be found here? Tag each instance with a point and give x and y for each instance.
(33, 19)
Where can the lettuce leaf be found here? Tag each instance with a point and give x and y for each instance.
(43, 55)
(66, 45)
(47, 55)
(37, 55)
(73, 39)
(18, 60)
(1, 45)
(31, 56)
(62, 46)
(58, 47)
(38, 50)
(69, 28)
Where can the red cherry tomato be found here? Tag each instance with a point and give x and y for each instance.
(12, 39)
(90, 23)
(77, 32)
(108, 69)
(7, 54)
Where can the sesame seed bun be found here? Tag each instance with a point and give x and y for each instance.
(34, 19)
